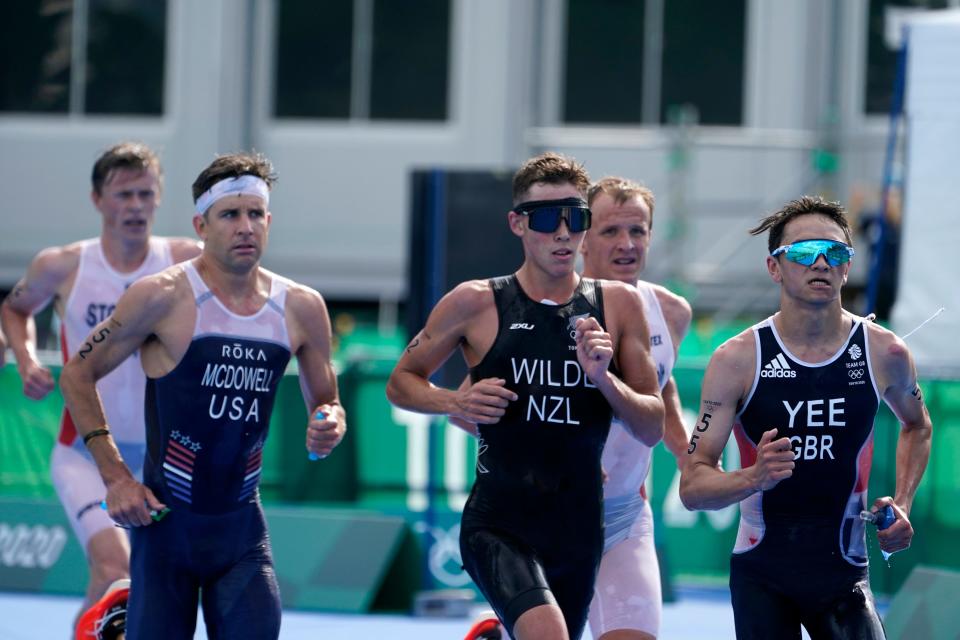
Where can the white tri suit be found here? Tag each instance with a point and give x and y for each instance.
(207, 422)
(627, 592)
(94, 295)
(800, 556)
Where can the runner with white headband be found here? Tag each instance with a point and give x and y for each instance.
(233, 186)
(215, 335)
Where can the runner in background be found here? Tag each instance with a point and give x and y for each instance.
(627, 602)
(84, 280)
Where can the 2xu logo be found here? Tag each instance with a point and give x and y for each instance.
(31, 547)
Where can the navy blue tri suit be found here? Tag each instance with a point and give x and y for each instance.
(800, 555)
(532, 528)
(207, 422)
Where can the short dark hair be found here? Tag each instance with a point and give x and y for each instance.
(124, 155)
(551, 168)
(621, 190)
(234, 165)
(805, 205)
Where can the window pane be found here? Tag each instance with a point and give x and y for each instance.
(126, 41)
(604, 57)
(314, 49)
(35, 50)
(881, 59)
(410, 60)
(703, 50)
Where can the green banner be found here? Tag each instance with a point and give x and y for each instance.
(333, 560)
(336, 560)
(38, 551)
(925, 607)
(28, 429)
(421, 468)
(394, 447)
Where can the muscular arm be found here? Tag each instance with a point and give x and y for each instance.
(905, 399)
(409, 386)
(897, 377)
(46, 274)
(318, 380)
(703, 484)
(635, 398)
(132, 323)
(27, 349)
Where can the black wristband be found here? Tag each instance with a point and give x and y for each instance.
(93, 434)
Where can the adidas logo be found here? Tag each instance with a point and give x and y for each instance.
(778, 368)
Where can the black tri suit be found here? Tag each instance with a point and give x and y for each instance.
(532, 528)
(800, 555)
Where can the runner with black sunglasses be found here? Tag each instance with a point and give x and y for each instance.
(800, 391)
(552, 357)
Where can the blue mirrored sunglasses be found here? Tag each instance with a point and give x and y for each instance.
(544, 216)
(806, 252)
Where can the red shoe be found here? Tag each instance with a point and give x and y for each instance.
(487, 627)
(107, 618)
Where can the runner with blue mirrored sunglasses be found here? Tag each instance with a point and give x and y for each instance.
(806, 252)
(544, 216)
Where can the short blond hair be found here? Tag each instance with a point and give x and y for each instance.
(621, 190)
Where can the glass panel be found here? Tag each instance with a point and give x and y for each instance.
(126, 43)
(411, 42)
(703, 51)
(881, 59)
(604, 57)
(35, 41)
(314, 52)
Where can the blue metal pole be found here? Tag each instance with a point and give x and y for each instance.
(896, 114)
(436, 280)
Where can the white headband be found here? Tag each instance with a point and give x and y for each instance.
(245, 184)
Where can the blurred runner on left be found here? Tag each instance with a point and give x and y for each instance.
(84, 280)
